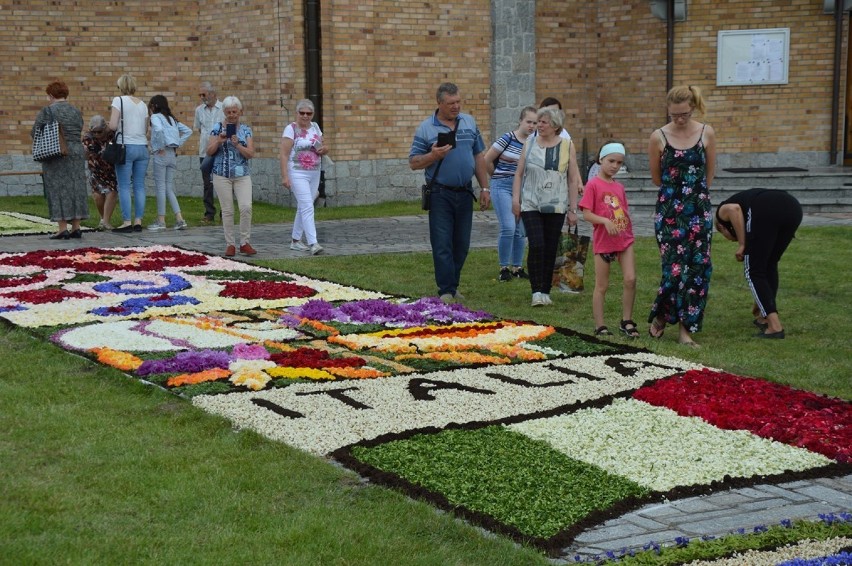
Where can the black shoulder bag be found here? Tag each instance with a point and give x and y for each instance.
(426, 189)
(115, 152)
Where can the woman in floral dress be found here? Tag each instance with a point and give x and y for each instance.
(301, 154)
(101, 174)
(682, 157)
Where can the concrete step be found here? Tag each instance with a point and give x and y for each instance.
(818, 192)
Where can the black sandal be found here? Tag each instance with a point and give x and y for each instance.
(629, 328)
(602, 331)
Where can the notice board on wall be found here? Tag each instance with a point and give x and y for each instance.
(753, 57)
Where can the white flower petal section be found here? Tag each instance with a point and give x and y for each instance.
(804, 549)
(121, 335)
(167, 335)
(329, 416)
(657, 448)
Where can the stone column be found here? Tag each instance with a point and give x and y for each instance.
(512, 62)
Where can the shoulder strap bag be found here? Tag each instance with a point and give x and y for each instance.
(115, 152)
(49, 140)
(426, 189)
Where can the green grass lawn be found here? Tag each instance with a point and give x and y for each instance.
(98, 468)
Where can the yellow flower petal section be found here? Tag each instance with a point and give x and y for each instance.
(299, 373)
(458, 337)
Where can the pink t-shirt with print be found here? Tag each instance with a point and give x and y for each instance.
(609, 201)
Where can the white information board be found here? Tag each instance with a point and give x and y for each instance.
(753, 57)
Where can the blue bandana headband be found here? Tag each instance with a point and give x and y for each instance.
(612, 148)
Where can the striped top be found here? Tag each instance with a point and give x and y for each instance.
(509, 147)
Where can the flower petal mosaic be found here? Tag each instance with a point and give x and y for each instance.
(529, 430)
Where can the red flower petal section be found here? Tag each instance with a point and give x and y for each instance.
(265, 290)
(313, 358)
(95, 260)
(49, 295)
(769, 410)
(18, 281)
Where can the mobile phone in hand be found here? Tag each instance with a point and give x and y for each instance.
(446, 138)
(230, 130)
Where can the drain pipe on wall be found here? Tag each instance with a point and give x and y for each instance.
(670, 38)
(313, 57)
(835, 87)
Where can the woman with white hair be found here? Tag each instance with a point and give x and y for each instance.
(301, 154)
(544, 191)
(101, 174)
(232, 145)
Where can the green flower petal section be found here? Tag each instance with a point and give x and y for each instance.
(518, 481)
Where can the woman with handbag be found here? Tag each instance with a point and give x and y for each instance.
(544, 190)
(129, 119)
(64, 177)
(232, 147)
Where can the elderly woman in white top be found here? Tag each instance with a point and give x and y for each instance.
(544, 191)
(301, 154)
(130, 118)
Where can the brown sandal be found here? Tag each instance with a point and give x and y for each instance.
(656, 327)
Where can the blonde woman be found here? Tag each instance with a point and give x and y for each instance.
(129, 117)
(682, 156)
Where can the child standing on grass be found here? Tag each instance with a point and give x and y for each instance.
(604, 204)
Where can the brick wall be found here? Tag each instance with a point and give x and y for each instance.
(382, 61)
(607, 63)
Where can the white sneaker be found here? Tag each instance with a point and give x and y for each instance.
(545, 298)
(299, 246)
(447, 298)
(316, 249)
(156, 227)
(537, 300)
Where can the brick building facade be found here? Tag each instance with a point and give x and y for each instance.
(381, 61)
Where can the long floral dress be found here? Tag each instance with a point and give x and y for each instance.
(683, 224)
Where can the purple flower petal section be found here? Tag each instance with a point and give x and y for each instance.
(249, 352)
(186, 362)
(377, 311)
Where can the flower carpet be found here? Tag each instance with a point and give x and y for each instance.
(18, 224)
(529, 430)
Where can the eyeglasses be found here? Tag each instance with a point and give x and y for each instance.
(202, 94)
(305, 113)
(681, 115)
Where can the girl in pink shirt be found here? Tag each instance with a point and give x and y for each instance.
(604, 204)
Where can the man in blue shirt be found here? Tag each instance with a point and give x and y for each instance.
(451, 211)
